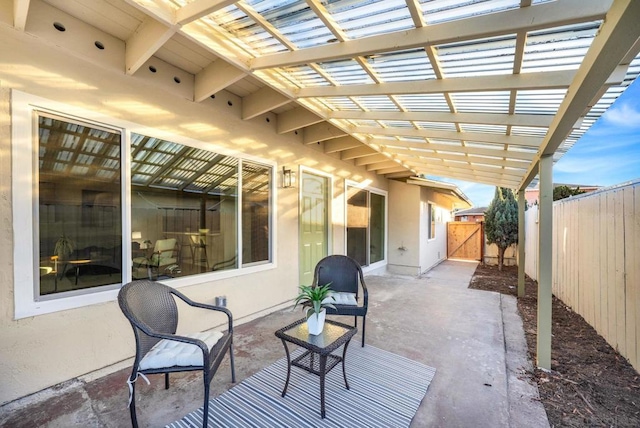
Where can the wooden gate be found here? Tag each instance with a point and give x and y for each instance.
(464, 240)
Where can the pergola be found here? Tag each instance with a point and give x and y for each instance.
(486, 91)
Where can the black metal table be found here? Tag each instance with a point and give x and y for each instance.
(318, 358)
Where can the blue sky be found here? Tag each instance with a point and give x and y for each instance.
(607, 154)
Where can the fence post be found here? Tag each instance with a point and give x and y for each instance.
(522, 204)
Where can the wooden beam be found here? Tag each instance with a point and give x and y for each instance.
(214, 78)
(391, 170)
(262, 101)
(341, 143)
(617, 36)
(199, 8)
(368, 160)
(392, 145)
(402, 174)
(20, 13)
(527, 19)
(527, 81)
(358, 152)
(145, 42)
(535, 120)
(321, 132)
(474, 160)
(382, 165)
(296, 118)
(450, 135)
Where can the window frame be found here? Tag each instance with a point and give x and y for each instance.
(369, 190)
(24, 131)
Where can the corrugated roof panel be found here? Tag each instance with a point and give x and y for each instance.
(376, 103)
(442, 126)
(409, 65)
(423, 102)
(479, 57)
(360, 19)
(545, 101)
(453, 10)
(346, 72)
(486, 102)
(560, 48)
(491, 129)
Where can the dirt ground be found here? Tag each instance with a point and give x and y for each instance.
(590, 384)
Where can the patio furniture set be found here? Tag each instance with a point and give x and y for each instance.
(152, 311)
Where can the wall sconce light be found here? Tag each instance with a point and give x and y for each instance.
(288, 178)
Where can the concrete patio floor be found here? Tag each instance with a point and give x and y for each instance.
(473, 338)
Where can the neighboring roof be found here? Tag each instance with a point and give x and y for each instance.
(471, 90)
(472, 211)
(450, 190)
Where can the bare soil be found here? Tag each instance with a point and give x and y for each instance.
(590, 384)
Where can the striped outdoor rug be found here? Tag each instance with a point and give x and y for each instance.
(386, 390)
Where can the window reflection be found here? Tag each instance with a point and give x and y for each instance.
(79, 210)
(256, 215)
(183, 209)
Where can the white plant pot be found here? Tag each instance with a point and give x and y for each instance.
(315, 323)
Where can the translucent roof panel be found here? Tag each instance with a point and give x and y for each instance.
(378, 103)
(347, 72)
(539, 102)
(294, 20)
(480, 57)
(492, 129)
(360, 19)
(341, 103)
(243, 31)
(560, 48)
(443, 126)
(488, 102)
(305, 76)
(423, 102)
(452, 10)
(402, 66)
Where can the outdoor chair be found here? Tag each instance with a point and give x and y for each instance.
(164, 255)
(345, 276)
(152, 311)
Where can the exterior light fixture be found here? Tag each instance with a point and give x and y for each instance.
(288, 179)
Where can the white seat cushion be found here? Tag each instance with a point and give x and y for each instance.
(169, 353)
(341, 298)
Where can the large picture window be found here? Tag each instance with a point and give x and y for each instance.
(183, 209)
(79, 230)
(102, 203)
(366, 226)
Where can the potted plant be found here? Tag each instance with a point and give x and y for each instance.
(63, 248)
(315, 300)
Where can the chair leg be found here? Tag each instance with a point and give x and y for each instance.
(364, 320)
(233, 370)
(166, 381)
(355, 322)
(132, 406)
(205, 412)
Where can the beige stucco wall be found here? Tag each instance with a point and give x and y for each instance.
(404, 209)
(433, 251)
(44, 350)
(409, 228)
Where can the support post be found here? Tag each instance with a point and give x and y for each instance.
(522, 204)
(545, 259)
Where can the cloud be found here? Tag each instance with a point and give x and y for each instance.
(624, 115)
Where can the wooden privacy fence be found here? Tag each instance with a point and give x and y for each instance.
(596, 262)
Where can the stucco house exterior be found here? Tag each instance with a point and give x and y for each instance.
(224, 147)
